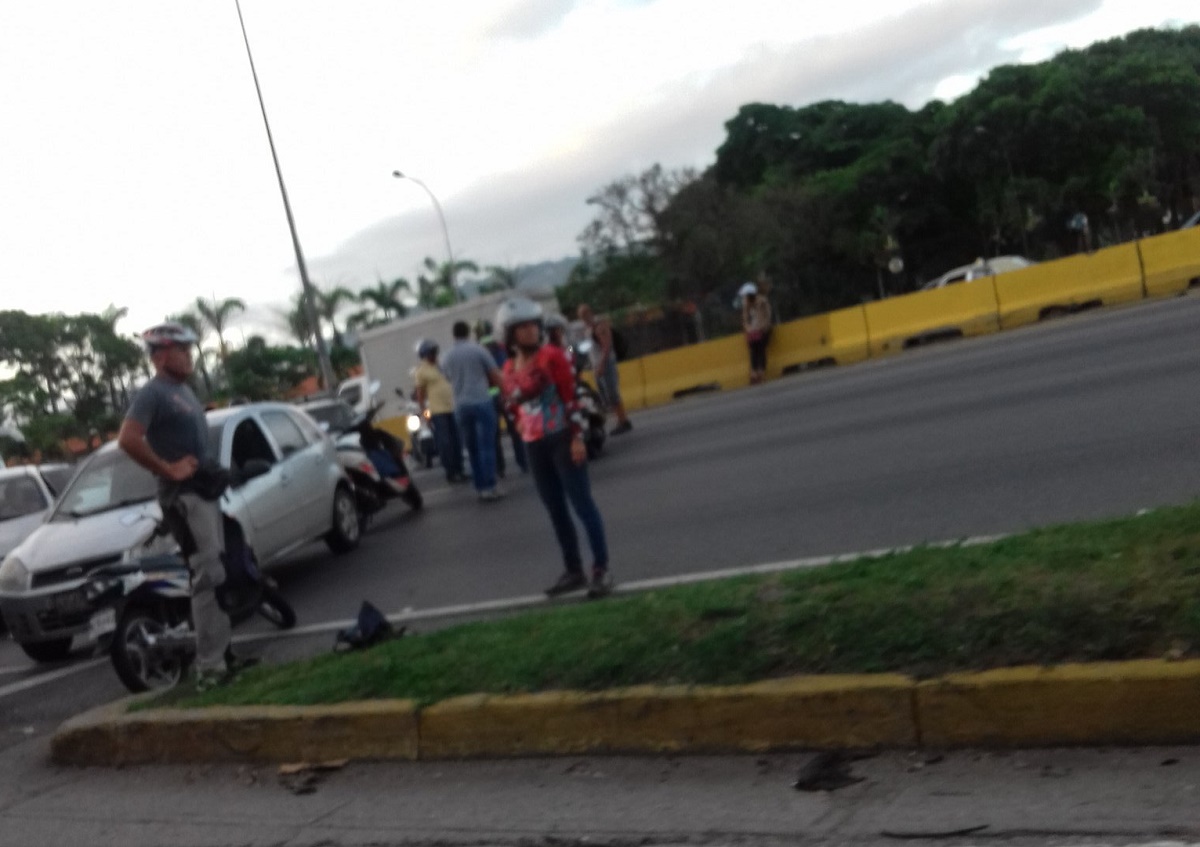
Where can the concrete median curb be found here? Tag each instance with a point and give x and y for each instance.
(1141, 702)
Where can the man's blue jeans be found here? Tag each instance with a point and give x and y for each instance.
(477, 426)
(558, 481)
(445, 435)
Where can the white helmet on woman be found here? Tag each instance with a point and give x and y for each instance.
(748, 289)
(517, 310)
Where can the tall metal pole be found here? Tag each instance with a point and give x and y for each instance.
(445, 231)
(309, 297)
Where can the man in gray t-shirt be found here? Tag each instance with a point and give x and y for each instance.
(472, 372)
(165, 432)
(174, 423)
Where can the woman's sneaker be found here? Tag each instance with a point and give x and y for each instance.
(568, 582)
(601, 584)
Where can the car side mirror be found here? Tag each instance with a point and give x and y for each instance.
(254, 468)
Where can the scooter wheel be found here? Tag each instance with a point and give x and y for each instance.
(413, 497)
(138, 667)
(275, 609)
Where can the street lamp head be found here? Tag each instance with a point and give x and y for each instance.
(398, 174)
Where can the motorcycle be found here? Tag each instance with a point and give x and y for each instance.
(373, 458)
(141, 607)
(420, 432)
(595, 412)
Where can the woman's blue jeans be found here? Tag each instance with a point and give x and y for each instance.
(559, 480)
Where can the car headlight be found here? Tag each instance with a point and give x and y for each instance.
(414, 423)
(155, 545)
(14, 576)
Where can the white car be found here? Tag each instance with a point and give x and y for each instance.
(977, 270)
(26, 494)
(109, 510)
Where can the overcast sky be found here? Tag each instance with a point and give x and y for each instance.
(134, 168)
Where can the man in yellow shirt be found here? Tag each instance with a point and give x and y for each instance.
(433, 391)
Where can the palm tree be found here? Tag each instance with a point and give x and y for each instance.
(329, 302)
(108, 319)
(434, 291)
(196, 324)
(385, 297)
(503, 278)
(216, 315)
(298, 323)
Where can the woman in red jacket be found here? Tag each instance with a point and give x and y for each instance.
(539, 386)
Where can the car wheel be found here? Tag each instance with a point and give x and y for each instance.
(48, 651)
(347, 530)
(137, 666)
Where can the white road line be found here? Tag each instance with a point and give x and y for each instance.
(512, 604)
(46, 678)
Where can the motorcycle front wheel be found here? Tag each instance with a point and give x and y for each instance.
(138, 667)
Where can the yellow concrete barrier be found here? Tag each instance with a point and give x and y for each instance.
(633, 384)
(1171, 261)
(832, 338)
(806, 712)
(724, 363)
(961, 309)
(1145, 702)
(1108, 276)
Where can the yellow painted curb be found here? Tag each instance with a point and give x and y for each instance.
(112, 735)
(1141, 702)
(1144, 702)
(805, 712)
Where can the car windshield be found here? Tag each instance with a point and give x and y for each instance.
(339, 416)
(110, 480)
(20, 496)
(57, 477)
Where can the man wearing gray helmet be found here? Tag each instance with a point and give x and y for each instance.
(165, 432)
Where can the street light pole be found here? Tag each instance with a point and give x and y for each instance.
(310, 309)
(445, 232)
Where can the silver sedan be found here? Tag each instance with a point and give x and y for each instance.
(109, 510)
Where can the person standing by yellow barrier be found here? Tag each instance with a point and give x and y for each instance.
(756, 323)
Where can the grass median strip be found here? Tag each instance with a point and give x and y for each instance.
(1112, 590)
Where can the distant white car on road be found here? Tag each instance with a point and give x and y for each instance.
(109, 511)
(977, 270)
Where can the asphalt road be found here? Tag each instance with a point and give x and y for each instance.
(1088, 417)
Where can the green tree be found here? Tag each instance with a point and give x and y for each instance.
(260, 371)
(216, 315)
(439, 290)
(384, 302)
(329, 302)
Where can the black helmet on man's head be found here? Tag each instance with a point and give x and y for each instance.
(514, 311)
(168, 334)
(426, 348)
